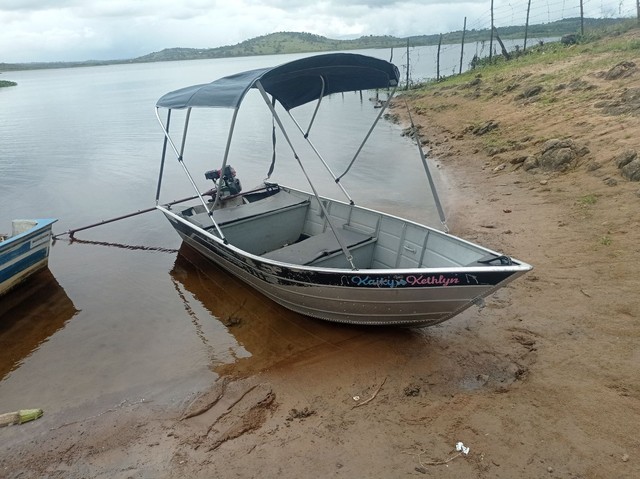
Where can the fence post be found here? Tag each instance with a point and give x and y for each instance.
(464, 30)
(526, 27)
(407, 87)
(438, 58)
(581, 18)
(491, 39)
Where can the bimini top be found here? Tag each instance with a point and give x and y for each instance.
(292, 84)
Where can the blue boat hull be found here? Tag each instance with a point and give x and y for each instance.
(25, 253)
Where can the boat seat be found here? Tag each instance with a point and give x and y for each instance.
(318, 246)
(227, 216)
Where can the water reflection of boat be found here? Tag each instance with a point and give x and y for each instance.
(29, 316)
(321, 257)
(24, 252)
(268, 332)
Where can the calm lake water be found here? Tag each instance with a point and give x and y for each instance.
(135, 318)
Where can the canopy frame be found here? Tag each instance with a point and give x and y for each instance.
(292, 84)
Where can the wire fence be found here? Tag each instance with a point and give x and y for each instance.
(518, 25)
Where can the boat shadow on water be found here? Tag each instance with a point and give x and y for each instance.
(271, 334)
(29, 315)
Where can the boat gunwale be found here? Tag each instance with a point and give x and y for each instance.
(41, 224)
(519, 266)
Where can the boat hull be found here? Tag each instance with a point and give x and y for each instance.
(415, 298)
(23, 254)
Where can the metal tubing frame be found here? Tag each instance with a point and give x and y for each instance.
(366, 138)
(184, 167)
(315, 112)
(425, 165)
(164, 155)
(315, 150)
(224, 161)
(275, 115)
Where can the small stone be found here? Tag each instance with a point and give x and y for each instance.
(625, 158)
(412, 390)
(485, 128)
(544, 182)
(621, 70)
(593, 166)
(530, 163)
(631, 171)
(549, 469)
(530, 92)
(625, 457)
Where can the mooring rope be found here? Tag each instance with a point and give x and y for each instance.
(120, 245)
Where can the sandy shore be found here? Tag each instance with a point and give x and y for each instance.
(541, 382)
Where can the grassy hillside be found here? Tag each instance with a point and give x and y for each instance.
(292, 42)
(295, 42)
(586, 97)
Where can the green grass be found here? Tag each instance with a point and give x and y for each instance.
(594, 43)
(587, 200)
(605, 240)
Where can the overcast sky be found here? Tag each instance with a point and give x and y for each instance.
(70, 30)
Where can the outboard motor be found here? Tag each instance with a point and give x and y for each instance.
(230, 185)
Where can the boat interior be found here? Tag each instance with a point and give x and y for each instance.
(290, 226)
(18, 227)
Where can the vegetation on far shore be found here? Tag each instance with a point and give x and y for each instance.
(606, 40)
(293, 42)
(5, 83)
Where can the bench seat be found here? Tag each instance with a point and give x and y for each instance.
(226, 216)
(315, 247)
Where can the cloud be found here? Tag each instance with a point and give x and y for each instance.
(35, 5)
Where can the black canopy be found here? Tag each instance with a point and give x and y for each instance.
(292, 84)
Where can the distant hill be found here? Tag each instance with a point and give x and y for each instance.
(274, 43)
(295, 42)
(292, 42)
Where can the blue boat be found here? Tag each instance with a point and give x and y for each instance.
(24, 252)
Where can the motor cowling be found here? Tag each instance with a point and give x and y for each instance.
(230, 184)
